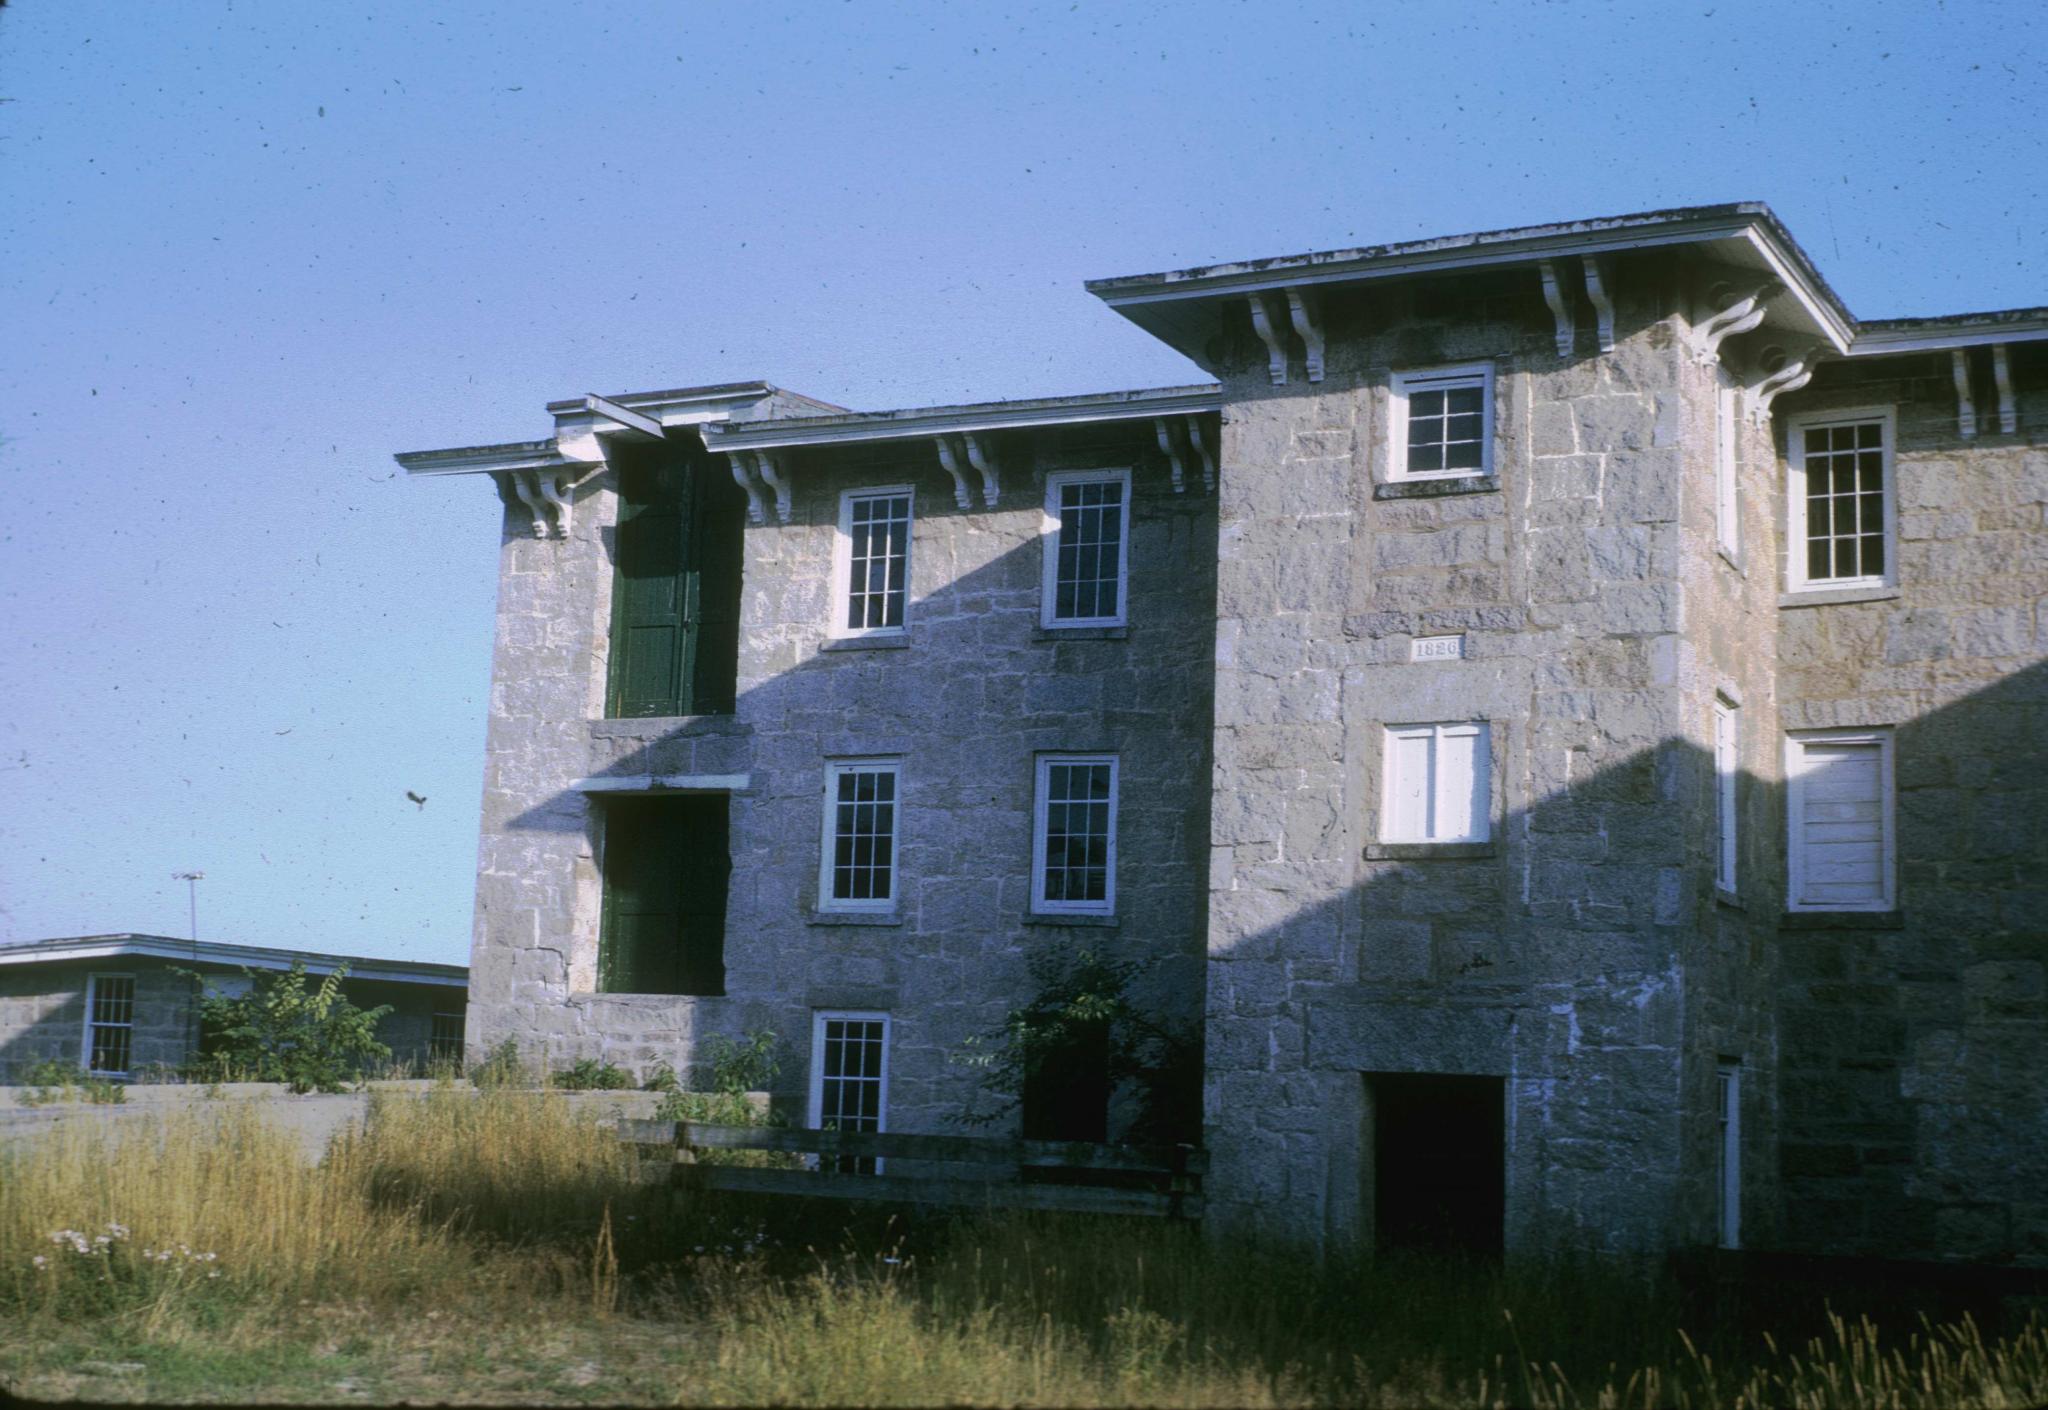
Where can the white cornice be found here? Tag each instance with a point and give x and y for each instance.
(931, 422)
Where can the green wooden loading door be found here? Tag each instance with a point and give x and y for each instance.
(676, 588)
(666, 864)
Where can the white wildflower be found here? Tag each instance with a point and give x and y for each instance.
(40, 1261)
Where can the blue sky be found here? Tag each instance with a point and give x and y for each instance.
(247, 251)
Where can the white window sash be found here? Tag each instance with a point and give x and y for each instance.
(1796, 579)
(1039, 852)
(1404, 384)
(1438, 783)
(1727, 768)
(834, 771)
(1727, 497)
(1728, 1095)
(1798, 775)
(842, 561)
(821, 1020)
(1049, 592)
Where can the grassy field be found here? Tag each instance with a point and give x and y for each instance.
(496, 1248)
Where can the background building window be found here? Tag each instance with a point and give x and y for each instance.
(1086, 548)
(667, 860)
(1841, 501)
(1727, 768)
(1839, 793)
(444, 1040)
(109, 1023)
(850, 1079)
(859, 870)
(1075, 860)
(874, 561)
(1442, 423)
(1438, 783)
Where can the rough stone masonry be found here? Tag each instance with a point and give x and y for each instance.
(1702, 660)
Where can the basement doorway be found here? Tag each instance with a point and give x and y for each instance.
(1439, 1163)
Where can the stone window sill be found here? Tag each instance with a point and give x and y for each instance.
(659, 726)
(1043, 633)
(1842, 920)
(1082, 921)
(603, 996)
(898, 642)
(1427, 851)
(1823, 597)
(1431, 489)
(1728, 900)
(1733, 560)
(853, 918)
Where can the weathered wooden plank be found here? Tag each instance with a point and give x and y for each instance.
(962, 1194)
(980, 1150)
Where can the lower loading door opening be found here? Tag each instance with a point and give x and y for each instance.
(666, 865)
(1439, 1180)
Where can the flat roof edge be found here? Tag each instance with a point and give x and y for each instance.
(91, 947)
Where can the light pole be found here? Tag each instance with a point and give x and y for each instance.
(192, 880)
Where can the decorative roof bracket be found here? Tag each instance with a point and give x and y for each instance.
(526, 485)
(1201, 445)
(2001, 373)
(1304, 310)
(743, 475)
(777, 479)
(1603, 304)
(1172, 444)
(1788, 374)
(548, 496)
(1740, 316)
(1966, 410)
(1272, 332)
(953, 456)
(981, 456)
(1560, 307)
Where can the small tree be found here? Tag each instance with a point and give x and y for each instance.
(278, 1032)
(1083, 1004)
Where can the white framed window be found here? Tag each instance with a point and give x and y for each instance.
(1727, 768)
(858, 869)
(871, 562)
(1840, 824)
(1087, 548)
(1843, 513)
(109, 1024)
(1442, 423)
(1728, 1154)
(850, 1078)
(1438, 783)
(1727, 504)
(1073, 853)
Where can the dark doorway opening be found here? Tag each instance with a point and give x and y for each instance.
(666, 863)
(1439, 1153)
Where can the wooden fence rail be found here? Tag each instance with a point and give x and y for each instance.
(1162, 1181)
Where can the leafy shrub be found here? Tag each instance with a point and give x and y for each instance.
(278, 1032)
(590, 1075)
(502, 1067)
(1082, 996)
(53, 1081)
(738, 1066)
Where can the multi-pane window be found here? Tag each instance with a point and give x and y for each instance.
(1727, 508)
(1727, 767)
(859, 869)
(1443, 423)
(850, 1079)
(444, 1040)
(1437, 783)
(1728, 1163)
(1086, 547)
(1075, 855)
(1841, 501)
(1839, 806)
(109, 1023)
(874, 562)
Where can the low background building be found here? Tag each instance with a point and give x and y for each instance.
(117, 1005)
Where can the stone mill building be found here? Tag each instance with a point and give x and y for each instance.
(1563, 711)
